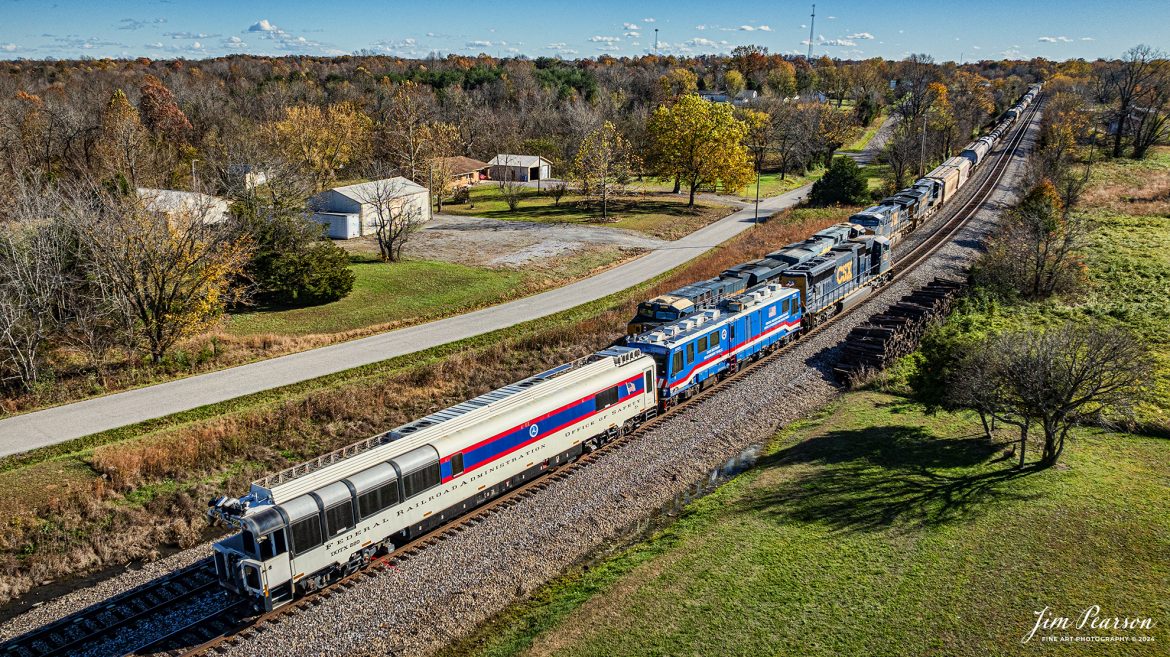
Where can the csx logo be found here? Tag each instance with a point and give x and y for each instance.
(845, 272)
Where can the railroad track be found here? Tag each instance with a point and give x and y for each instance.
(230, 626)
(101, 621)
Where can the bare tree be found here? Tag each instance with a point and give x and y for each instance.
(394, 218)
(510, 189)
(1053, 380)
(33, 260)
(1126, 81)
(902, 152)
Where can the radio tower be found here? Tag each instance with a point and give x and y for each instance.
(812, 24)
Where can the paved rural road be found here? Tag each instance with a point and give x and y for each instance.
(21, 433)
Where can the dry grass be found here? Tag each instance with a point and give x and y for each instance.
(145, 493)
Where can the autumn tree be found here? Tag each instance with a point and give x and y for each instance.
(734, 82)
(701, 143)
(123, 145)
(677, 82)
(403, 131)
(1038, 252)
(324, 141)
(604, 164)
(781, 79)
(440, 144)
(160, 113)
(176, 272)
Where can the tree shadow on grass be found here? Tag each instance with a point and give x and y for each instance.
(888, 476)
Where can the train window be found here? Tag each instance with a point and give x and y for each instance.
(456, 464)
(732, 332)
(677, 366)
(691, 352)
(249, 543)
(252, 577)
(339, 517)
(375, 501)
(273, 545)
(420, 480)
(702, 344)
(306, 534)
(649, 382)
(605, 399)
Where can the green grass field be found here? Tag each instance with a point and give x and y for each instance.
(1127, 265)
(663, 217)
(876, 530)
(383, 293)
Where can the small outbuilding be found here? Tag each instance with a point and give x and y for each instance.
(521, 168)
(352, 211)
(172, 202)
(465, 171)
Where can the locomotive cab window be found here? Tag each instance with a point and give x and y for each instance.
(605, 398)
(649, 381)
(456, 464)
(677, 365)
(306, 534)
(691, 352)
(420, 480)
(339, 517)
(272, 545)
(702, 344)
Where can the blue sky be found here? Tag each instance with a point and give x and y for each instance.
(585, 28)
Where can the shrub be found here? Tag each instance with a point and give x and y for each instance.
(842, 184)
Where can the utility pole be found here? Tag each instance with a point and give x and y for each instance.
(655, 42)
(812, 24)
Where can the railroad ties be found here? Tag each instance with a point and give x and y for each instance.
(895, 332)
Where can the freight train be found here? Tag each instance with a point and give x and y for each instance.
(302, 528)
(892, 218)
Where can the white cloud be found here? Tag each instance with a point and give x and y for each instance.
(235, 40)
(1064, 39)
(860, 35)
(631, 26)
(1048, 39)
(837, 42)
(633, 35)
(746, 28)
(701, 42)
(604, 39)
(263, 26)
(9, 47)
(479, 44)
(832, 18)
(1087, 39)
(977, 47)
(700, 27)
(197, 45)
(764, 28)
(647, 20)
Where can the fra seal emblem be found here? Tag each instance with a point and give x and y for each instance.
(533, 430)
